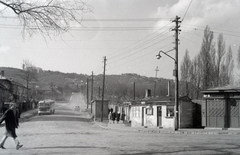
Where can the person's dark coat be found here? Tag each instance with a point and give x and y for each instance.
(113, 116)
(11, 122)
(118, 117)
(4, 109)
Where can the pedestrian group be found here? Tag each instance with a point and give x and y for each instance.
(112, 116)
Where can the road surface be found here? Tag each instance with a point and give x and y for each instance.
(69, 132)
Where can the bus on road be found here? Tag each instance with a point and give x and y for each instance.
(46, 107)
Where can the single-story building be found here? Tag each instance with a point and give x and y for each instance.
(221, 107)
(159, 112)
(100, 109)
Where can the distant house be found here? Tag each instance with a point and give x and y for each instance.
(100, 109)
(221, 107)
(11, 91)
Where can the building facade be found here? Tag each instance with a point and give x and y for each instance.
(221, 107)
(159, 112)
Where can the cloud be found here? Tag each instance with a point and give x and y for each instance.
(223, 13)
(4, 49)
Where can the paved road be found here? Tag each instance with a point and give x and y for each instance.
(73, 132)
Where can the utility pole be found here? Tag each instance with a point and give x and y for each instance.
(87, 94)
(99, 92)
(134, 91)
(52, 85)
(92, 93)
(177, 30)
(155, 80)
(104, 68)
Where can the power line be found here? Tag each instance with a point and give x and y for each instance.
(135, 58)
(187, 10)
(224, 32)
(128, 51)
(110, 62)
(137, 46)
(139, 40)
(107, 19)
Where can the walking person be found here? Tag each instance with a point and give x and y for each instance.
(11, 123)
(110, 116)
(118, 116)
(113, 117)
(123, 116)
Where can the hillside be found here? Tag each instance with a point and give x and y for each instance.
(117, 88)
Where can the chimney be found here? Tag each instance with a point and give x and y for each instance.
(169, 92)
(148, 93)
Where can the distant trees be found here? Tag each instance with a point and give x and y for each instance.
(186, 69)
(212, 67)
(238, 65)
(29, 74)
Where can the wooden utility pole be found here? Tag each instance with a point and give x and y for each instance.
(87, 94)
(52, 85)
(99, 92)
(155, 85)
(92, 93)
(134, 91)
(176, 29)
(104, 68)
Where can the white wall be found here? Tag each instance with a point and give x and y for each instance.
(150, 120)
(167, 122)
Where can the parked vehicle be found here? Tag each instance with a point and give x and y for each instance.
(46, 107)
(77, 108)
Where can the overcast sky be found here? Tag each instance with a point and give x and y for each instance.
(130, 33)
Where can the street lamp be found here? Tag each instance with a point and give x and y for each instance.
(175, 73)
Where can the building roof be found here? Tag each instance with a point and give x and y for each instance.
(224, 89)
(160, 100)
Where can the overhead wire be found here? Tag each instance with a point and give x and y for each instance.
(187, 10)
(138, 57)
(140, 47)
(118, 52)
(137, 51)
(129, 49)
(224, 32)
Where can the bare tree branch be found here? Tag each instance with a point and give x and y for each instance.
(47, 16)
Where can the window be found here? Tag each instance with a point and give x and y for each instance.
(149, 111)
(170, 111)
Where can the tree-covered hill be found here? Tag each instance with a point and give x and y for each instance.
(117, 87)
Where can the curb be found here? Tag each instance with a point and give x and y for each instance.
(170, 132)
(28, 114)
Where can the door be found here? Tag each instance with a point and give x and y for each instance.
(159, 116)
(233, 114)
(143, 116)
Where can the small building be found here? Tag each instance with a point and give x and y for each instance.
(221, 107)
(159, 112)
(100, 109)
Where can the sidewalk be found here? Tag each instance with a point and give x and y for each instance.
(28, 114)
(124, 127)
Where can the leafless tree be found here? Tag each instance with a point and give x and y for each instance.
(228, 66)
(185, 72)
(205, 54)
(29, 74)
(220, 56)
(46, 16)
(238, 66)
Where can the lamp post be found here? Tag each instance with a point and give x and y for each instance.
(175, 73)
